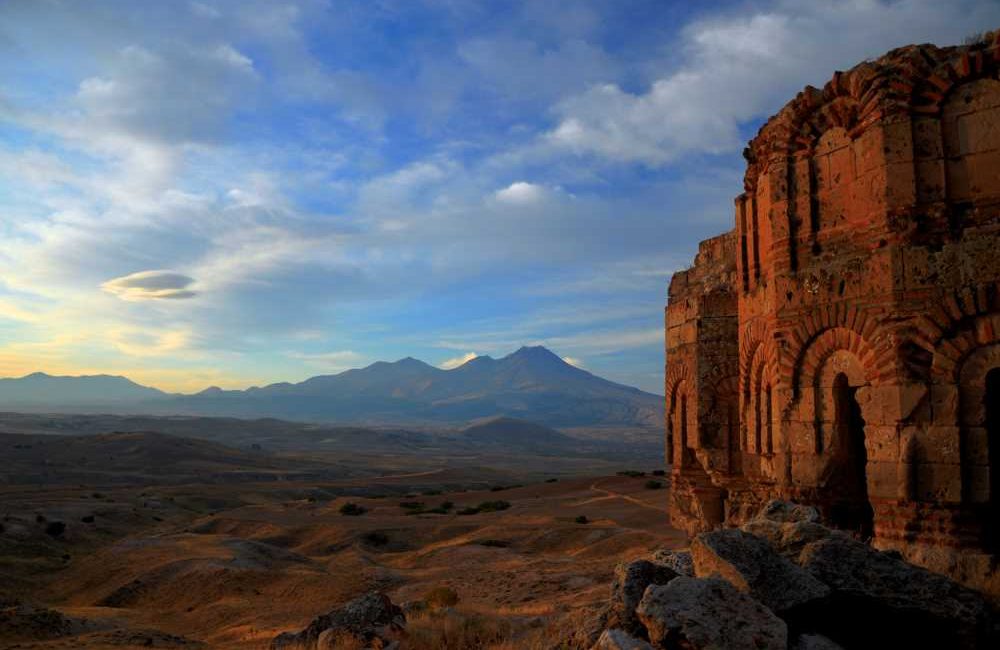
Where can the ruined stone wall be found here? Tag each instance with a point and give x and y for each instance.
(866, 286)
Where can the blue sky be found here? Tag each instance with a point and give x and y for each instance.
(236, 193)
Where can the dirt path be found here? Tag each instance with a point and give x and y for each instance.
(611, 494)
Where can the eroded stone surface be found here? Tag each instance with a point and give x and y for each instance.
(370, 619)
(702, 614)
(628, 587)
(751, 565)
(620, 640)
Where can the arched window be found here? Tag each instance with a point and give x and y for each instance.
(769, 423)
(851, 509)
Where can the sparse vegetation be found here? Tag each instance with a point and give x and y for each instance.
(653, 485)
(441, 597)
(551, 480)
(55, 529)
(375, 538)
(352, 510)
(582, 519)
(88, 519)
(631, 473)
(411, 505)
(493, 506)
(496, 543)
(659, 472)
(431, 493)
(468, 511)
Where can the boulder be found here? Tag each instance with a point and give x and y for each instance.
(620, 640)
(891, 603)
(814, 642)
(628, 587)
(701, 614)
(788, 539)
(752, 566)
(786, 512)
(679, 561)
(371, 619)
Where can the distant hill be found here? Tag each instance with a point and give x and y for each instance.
(40, 388)
(520, 434)
(532, 384)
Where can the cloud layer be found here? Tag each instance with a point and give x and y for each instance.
(238, 192)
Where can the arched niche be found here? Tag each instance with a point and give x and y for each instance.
(979, 411)
(841, 406)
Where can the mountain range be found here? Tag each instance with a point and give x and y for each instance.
(532, 383)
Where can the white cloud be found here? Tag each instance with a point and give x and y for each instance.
(149, 343)
(458, 361)
(520, 193)
(573, 361)
(738, 67)
(151, 285)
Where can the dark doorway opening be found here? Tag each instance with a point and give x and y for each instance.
(991, 400)
(851, 510)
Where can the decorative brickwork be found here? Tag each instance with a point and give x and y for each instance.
(841, 346)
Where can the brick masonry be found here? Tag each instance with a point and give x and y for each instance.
(841, 345)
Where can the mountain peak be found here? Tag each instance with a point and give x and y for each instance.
(536, 352)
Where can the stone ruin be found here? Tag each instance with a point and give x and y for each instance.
(840, 347)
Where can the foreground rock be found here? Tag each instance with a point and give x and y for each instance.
(697, 614)
(619, 640)
(900, 602)
(751, 565)
(631, 580)
(787, 581)
(372, 619)
(679, 561)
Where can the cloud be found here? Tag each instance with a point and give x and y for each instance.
(151, 285)
(520, 193)
(458, 361)
(737, 67)
(149, 343)
(573, 361)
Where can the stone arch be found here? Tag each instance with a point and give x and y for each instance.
(723, 400)
(681, 417)
(929, 359)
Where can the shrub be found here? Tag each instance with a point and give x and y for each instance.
(469, 511)
(352, 510)
(653, 485)
(498, 488)
(631, 473)
(411, 505)
(496, 543)
(551, 480)
(441, 597)
(375, 538)
(493, 506)
(446, 505)
(431, 493)
(582, 519)
(659, 472)
(55, 528)
(89, 519)
(458, 630)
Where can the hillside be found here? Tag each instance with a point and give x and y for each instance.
(533, 384)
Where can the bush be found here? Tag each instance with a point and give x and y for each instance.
(375, 538)
(411, 505)
(441, 597)
(631, 473)
(582, 519)
(431, 493)
(653, 485)
(493, 506)
(498, 488)
(446, 505)
(89, 519)
(551, 480)
(55, 529)
(469, 511)
(659, 472)
(352, 510)
(496, 543)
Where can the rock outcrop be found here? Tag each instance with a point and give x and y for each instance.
(786, 581)
(372, 619)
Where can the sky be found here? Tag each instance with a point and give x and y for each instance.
(236, 193)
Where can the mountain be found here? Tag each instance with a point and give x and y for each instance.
(41, 389)
(508, 432)
(532, 384)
